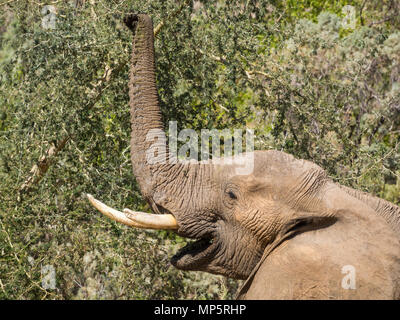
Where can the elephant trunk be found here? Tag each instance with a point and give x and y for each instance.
(145, 112)
(166, 178)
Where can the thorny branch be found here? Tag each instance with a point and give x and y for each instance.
(42, 166)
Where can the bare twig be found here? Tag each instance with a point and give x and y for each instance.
(40, 168)
(7, 2)
(2, 286)
(361, 12)
(210, 55)
(383, 20)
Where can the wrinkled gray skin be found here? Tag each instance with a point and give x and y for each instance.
(286, 228)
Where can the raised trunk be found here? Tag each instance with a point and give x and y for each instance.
(144, 105)
(162, 181)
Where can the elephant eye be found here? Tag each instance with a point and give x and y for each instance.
(232, 195)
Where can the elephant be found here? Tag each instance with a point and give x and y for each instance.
(285, 228)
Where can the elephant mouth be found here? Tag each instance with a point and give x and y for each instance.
(196, 253)
(190, 257)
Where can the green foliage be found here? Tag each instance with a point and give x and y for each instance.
(338, 98)
(288, 69)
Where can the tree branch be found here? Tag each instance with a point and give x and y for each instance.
(361, 12)
(383, 20)
(42, 166)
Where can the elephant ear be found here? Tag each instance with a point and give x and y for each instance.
(306, 223)
(291, 229)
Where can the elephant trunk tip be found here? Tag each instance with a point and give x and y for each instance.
(131, 21)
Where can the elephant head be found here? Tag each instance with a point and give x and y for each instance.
(234, 219)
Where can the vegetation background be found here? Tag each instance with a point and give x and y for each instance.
(308, 81)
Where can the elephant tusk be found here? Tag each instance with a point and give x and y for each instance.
(153, 221)
(136, 219)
